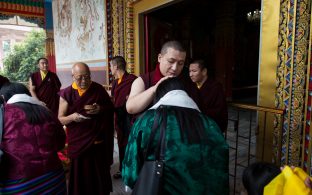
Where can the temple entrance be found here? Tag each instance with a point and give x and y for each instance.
(224, 33)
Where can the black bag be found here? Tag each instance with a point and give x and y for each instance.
(1, 126)
(149, 181)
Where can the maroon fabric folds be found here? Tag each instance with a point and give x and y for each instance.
(214, 102)
(82, 135)
(156, 75)
(90, 142)
(150, 79)
(120, 92)
(89, 173)
(29, 150)
(47, 89)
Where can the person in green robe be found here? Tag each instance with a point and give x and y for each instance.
(196, 153)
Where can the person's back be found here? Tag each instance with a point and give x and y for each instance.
(32, 136)
(196, 154)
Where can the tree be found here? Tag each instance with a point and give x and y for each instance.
(21, 61)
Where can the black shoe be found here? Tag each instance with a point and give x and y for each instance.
(117, 175)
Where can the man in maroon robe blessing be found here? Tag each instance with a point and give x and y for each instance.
(120, 91)
(213, 102)
(87, 111)
(171, 63)
(44, 85)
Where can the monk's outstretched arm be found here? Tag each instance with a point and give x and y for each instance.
(139, 98)
(63, 106)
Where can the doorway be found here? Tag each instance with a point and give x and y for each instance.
(219, 32)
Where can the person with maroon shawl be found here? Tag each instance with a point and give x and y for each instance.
(32, 136)
(171, 63)
(87, 111)
(3, 80)
(213, 102)
(44, 85)
(120, 91)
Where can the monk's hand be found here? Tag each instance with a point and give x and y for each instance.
(160, 81)
(77, 117)
(95, 109)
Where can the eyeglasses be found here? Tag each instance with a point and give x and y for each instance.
(80, 77)
(112, 65)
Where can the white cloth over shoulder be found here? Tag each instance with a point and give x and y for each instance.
(24, 98)
(176, 98)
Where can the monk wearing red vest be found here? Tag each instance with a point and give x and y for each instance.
(44, 86)
(170, 64)
(120, 91)
(213, 103)
(87, 111)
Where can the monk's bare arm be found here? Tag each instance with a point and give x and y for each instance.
(139, 98)
(63, 106)
(32, 89)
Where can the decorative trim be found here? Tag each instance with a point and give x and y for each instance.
(129, 35)
(291, 78)
(280, 86)
(23, 7)
(109, 36)
(302, 23)
(115, 22)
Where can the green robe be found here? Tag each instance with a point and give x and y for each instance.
(189, 168)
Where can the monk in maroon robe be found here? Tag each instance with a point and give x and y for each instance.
(44, 85)
(213, 102)
(3, 80)
(121, 87)
(87, 111)
(171, 63)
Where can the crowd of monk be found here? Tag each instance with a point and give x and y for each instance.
(91, 115)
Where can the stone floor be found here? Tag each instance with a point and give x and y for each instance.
(119, 188)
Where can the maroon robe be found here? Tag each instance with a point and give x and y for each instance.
(3, 80)
(29, 150)
(213, 102)
(150, 79)
(120, 93)
(90, 142)
(47, 89)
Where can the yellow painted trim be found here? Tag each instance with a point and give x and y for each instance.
(307, 105)
(268, 52)
(139, 8)
(268, 62)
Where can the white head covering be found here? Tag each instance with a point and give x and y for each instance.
(176, 98)
(24, 98)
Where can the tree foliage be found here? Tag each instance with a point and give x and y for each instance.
(21, 61)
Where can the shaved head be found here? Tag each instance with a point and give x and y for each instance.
(80, 67)
(81, 75)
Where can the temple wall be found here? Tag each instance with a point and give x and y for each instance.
(80, 36)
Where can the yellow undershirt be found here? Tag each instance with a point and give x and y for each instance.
(80, 91)
(119, 80)
(43, 74)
